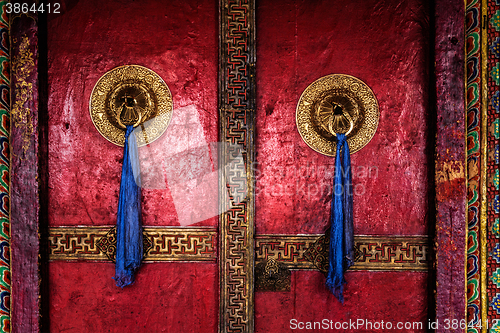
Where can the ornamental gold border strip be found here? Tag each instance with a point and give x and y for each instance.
(199, 244)
(374, 253)
(483, 217)
(287, 249)
(237, 130)
(399, 253)
(167, 243)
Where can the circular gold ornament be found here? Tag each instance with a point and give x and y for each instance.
(333, 104)
(131, 95)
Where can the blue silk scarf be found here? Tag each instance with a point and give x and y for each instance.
(128, 225)
(341, 254)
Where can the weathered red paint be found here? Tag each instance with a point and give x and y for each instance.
(178, 40)
(385, 44)
(175, 41)
(164, 298)
(375, 297)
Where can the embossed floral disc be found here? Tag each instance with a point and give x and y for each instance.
(131, 95)
(333, 101)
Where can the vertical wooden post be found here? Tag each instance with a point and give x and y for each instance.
(24, 182)
(450, 162)
(237, 128)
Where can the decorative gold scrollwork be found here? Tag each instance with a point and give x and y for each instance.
(131, 95)
(107, 244)
(337, 104)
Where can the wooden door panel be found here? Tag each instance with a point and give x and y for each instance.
(178, 41)
(386, 45)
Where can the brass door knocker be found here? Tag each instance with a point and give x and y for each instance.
(334, 104)
(131, 95)
(331, 125)
(130, 111)
(338, 115)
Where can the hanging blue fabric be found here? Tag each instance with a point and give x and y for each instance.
(341, 254)
(128, 225)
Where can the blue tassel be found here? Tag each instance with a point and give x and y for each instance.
(341, 254)
(128, 225)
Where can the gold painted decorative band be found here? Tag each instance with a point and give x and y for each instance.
(160, 243)
(376, 253)
(373, 253)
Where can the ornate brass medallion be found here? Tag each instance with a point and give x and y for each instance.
(333, 104)
(131, 95)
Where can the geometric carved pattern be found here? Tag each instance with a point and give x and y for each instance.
(73, 243)
(107, 244)
(287, 249)
(237, 51)
(318, 252)
(182, 244)
(160, 243)
(199, 244)
(373, 253)
(237, 128)
(391, 253)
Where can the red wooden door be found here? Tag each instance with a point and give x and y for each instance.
(179, 41)
(386, 45)
(228, 86)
